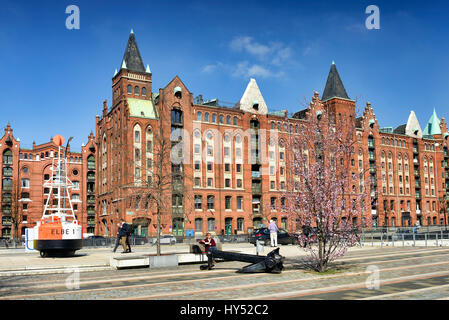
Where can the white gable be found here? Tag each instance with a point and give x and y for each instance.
(252, 100)
(413, 129)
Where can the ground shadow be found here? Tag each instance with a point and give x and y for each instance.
(306, 264)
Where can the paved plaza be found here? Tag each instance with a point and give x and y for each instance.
(364, 273)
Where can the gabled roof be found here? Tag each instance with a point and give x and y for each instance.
(300, 114)
(132, 59)
(413, 128)
(400, 129)
(334, 86)
(433, 126)
(252, 99)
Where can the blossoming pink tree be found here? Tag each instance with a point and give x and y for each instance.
(324, 192)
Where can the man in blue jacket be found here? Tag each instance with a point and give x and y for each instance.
(121, 236)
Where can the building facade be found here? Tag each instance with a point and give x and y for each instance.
(24, 172)
(227, 170)
(234, 159)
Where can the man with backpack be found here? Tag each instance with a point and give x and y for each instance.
(122, 235)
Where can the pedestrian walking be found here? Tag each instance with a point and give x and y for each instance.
(117, 241)
(129, 230)
(273, 233)
(121, 236)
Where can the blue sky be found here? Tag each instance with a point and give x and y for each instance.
(54, 80)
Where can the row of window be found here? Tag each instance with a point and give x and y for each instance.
(285, 127)
(393, 142)
(137, 91)
(213, 118)
(210, 202)
(391, 206)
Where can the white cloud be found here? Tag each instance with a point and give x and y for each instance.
(269, 59)
(210, 68)
(247, 70)
(247, 44)
(274, 52)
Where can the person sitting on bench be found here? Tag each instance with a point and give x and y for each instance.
(209, 244)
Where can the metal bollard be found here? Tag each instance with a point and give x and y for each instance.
(381, 240)
(414, 242)
(403, 243)
(259, 246)
(425, 236)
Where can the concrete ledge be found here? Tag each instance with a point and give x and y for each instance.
(163, 261)
(191, 258)
(128, 262)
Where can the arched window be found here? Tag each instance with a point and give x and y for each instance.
(176, 116)
(7, 157)
(206, 117)
(144, 91)
(273, 125)
(235, 121)
(7, 184)
(214, 118)
(91, 162)
(199, 116)
(228, 119)
(221, 118)
(130, 89)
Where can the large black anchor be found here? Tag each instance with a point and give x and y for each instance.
(272, 263)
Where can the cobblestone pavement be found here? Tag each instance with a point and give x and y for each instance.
(402, 273)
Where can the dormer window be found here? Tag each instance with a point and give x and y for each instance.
(256, 105)
(178, 92)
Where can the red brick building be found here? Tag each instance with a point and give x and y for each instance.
(24, 172)
(236, 172)
(233, 171)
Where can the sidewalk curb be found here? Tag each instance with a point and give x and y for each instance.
(50, 270)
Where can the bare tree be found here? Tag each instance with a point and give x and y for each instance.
(16, 211)
(158, 183)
